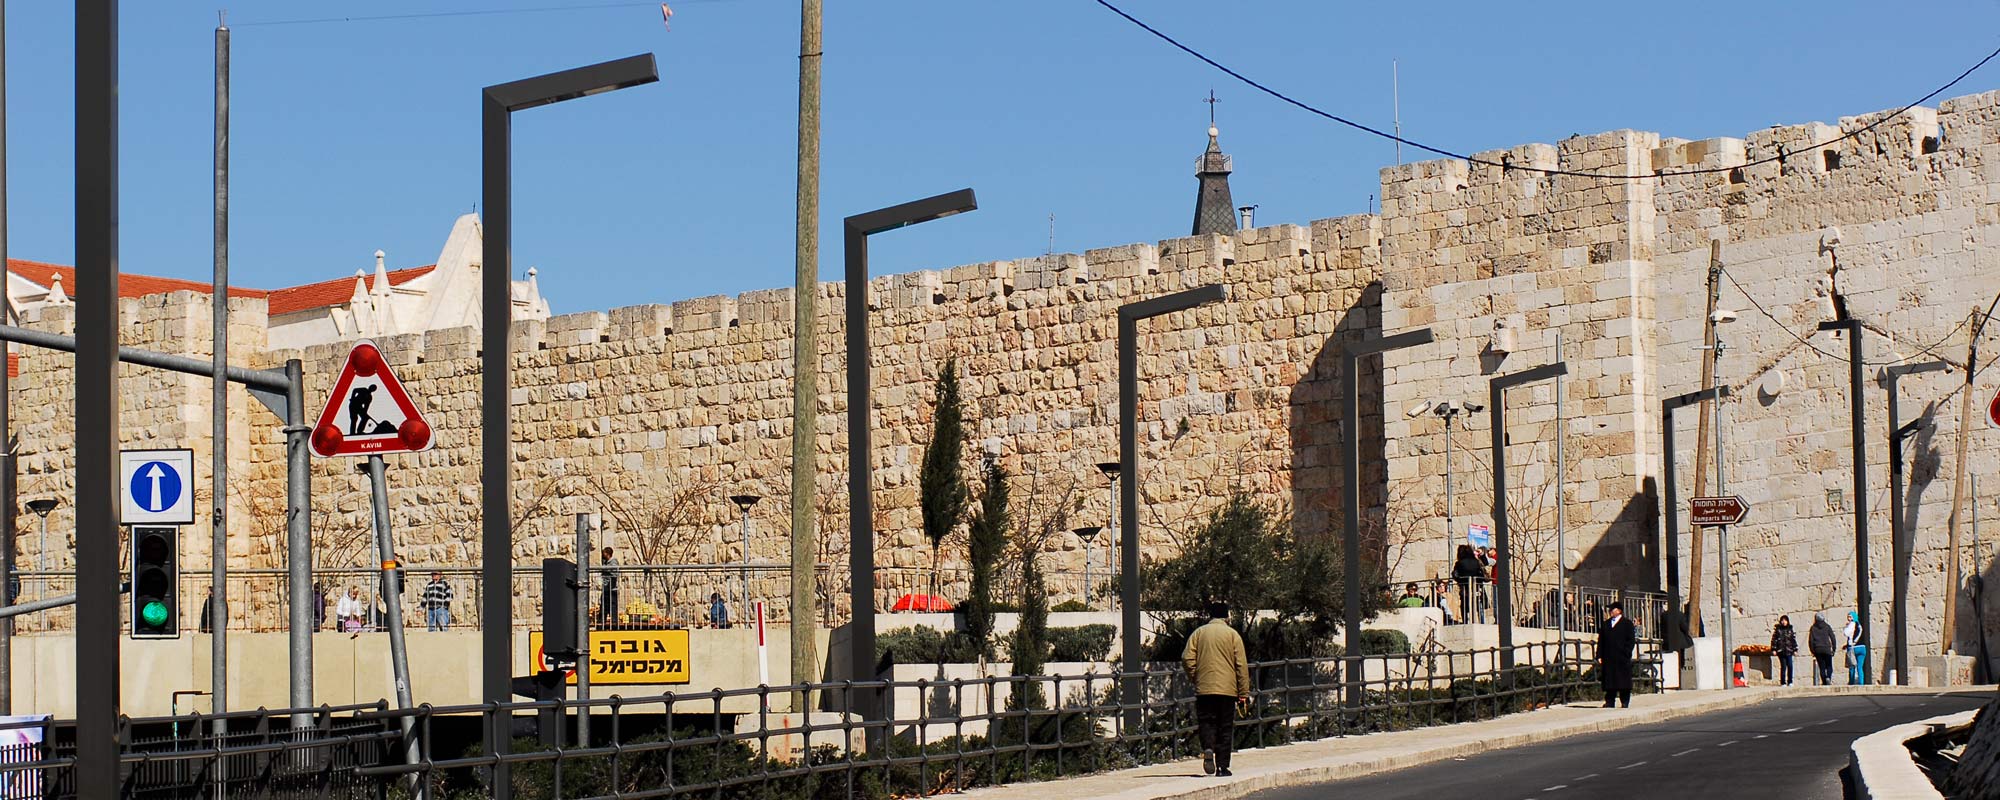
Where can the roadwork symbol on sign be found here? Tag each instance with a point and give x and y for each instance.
(1709, 512)
(368, 413)
(154, 487)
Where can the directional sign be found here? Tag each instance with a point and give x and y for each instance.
(156, 487)
(1709, 512)
(368, 413)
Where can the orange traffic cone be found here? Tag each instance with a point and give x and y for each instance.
(1739, 673)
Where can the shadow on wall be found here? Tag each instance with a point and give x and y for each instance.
(1316, 438)
(1629, 555)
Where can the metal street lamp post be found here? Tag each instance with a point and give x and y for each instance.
(1110, 470)
(1669, 498)
(1900, 537)
(96, 393)
(497, 106)
(1350, 489)
(860, 462)
(1129, 316)
(1496, 405)
(1087, 533)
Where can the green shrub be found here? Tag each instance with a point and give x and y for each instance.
(924, 645)
(1081, 643)
(1069, 606)
(1384, 642)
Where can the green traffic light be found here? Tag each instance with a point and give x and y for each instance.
(154, 613)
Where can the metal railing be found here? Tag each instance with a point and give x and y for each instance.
(649, 595)
(1534, 602)
(955, 735)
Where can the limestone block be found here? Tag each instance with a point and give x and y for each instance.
(704, 314)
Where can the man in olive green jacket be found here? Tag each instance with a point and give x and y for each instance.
(1221, 673)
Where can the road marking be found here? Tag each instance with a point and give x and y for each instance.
(1634, 764)
(1677, 755)
(1728, 743)
(1582, 778)
(1763, 736)
(1828, 722)
(1557, 788)
(1790, 730)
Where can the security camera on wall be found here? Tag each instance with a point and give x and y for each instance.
(1418, 409)
(1445, 409)
(1722, 317)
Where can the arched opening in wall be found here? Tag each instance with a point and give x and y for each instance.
(1315, 414)
(1736, 175)
(1832, 159)
(1932, 143)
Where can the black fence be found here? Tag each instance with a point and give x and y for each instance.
(940, 735)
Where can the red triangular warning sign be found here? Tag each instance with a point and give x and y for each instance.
(367, 412)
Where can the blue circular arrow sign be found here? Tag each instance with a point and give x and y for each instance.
(156, 487)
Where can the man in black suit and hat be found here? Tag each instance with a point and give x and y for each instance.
(1616, 638)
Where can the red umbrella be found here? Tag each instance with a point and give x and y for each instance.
(921, 602)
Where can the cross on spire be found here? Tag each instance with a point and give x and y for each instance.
(1211, 101)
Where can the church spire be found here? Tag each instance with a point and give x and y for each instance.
(1214, 210)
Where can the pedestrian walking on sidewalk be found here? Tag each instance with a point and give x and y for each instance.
(1784, 645)
(1615, 640)
(1220, 672)
(1819, 639)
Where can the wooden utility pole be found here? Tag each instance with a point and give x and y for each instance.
(805, 361)
(1702, 435)
(1973, 326)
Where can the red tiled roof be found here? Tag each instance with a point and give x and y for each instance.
(333, 292)
(129, 284)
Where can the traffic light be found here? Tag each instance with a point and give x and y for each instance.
(559, 639)
(155, 574)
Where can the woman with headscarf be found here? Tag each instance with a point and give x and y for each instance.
(1856, 638)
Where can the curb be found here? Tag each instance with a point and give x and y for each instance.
(1394, 756)
(1881, 764)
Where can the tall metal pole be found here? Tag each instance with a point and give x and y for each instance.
(9, 554)
(1901, 538)
(743, 577)
(1450, 520)
(496, 615)
(1856, 404)
(298, 541)
(392, 596)
(860, 488)
(805, 362)
(218, 558)
(583, 630)
(1350, 493)
(1503, 578)
(1562, 551)
(1132, 692)
(97, 662)
(1725, 611)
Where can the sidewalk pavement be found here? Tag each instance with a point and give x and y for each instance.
(1353, 756)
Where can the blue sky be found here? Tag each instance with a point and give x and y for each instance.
(354, 136)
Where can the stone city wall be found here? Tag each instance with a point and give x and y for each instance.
(652, 415)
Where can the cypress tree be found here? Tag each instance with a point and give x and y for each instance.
(987, 544)
(941, 488)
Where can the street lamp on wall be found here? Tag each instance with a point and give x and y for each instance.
(1496, 405)
(1899, 535)
(497, 106)
(860, 502)
(1129, 316)
(1350, 489)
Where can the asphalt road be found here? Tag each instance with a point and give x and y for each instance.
(1788, 748)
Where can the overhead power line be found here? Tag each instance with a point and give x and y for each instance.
(1657, 173)
(1930, 349)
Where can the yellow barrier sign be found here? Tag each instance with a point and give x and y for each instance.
(628, 657)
